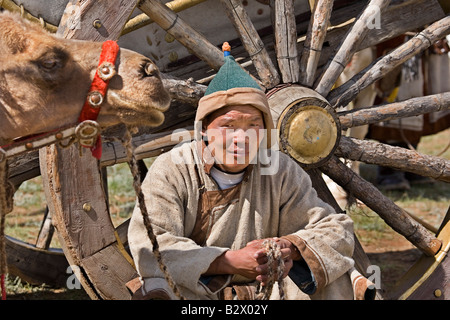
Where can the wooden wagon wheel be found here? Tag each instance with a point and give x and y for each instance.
(302, 89)
(300, 85)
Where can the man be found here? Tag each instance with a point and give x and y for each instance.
(212, 203)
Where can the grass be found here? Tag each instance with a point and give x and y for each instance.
(19, 290)
(429, 202)
(25, 220)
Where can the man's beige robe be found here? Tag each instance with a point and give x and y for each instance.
(193, 233)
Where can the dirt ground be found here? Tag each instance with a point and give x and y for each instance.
(393, 262)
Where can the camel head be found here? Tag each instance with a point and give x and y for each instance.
(44, 81)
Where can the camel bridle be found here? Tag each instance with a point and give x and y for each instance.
(87, 130)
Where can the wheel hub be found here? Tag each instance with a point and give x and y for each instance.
(309, 130)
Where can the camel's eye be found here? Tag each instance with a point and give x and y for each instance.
(49, 63)
(52, 60)
(49, 67)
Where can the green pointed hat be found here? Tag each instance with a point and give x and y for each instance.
(230, 76)
(232, 85)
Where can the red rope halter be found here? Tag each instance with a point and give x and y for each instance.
(91, 109)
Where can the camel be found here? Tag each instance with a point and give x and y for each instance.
(44, 81)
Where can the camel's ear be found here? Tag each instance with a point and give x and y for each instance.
(14, 33)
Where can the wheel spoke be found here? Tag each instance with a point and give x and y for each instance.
(407, 108)
(286, 39)
(392, 214)
(315, 37)
(187, 91)
(342, 95)
(112, 18)
(181, 31)
(361, 260)
(143, 20)
(252, 43)
(45, 235)
(395, 157)
(348, 46)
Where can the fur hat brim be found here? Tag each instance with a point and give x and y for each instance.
(237, 97)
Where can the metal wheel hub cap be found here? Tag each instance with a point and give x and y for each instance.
(309, 130)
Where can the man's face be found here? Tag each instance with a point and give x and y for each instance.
(234, 136)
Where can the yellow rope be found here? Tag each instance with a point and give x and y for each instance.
(123, 251)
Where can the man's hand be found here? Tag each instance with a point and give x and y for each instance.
(251, 261)
(288, 253)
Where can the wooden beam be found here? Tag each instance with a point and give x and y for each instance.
(182, 32)
(103, 268)
(315, 37)
(397, 110)
(347, 92)
(285, 39)
(398, 18)
(95, 20)
(361, 259)
(187, 91)
(349, 45)
(392, 214)
(142, 19)
(46, 232)
(395, 157)
(252, 42)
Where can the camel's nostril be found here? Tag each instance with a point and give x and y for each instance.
(150, 69)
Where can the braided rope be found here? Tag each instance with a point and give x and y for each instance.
(141, 200)
(276, 270)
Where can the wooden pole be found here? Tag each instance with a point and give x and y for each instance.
(312, 4)
(361, 259)
(392, 214)
(46, 232)
(73, 183)
(315, 37)
(78, 19)
(286, 39)
(143, 20)
(395, 157)
(182, 32)
(408, 108)
(187, 91)
(252, 43)
(342, 95)
(348, 46)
